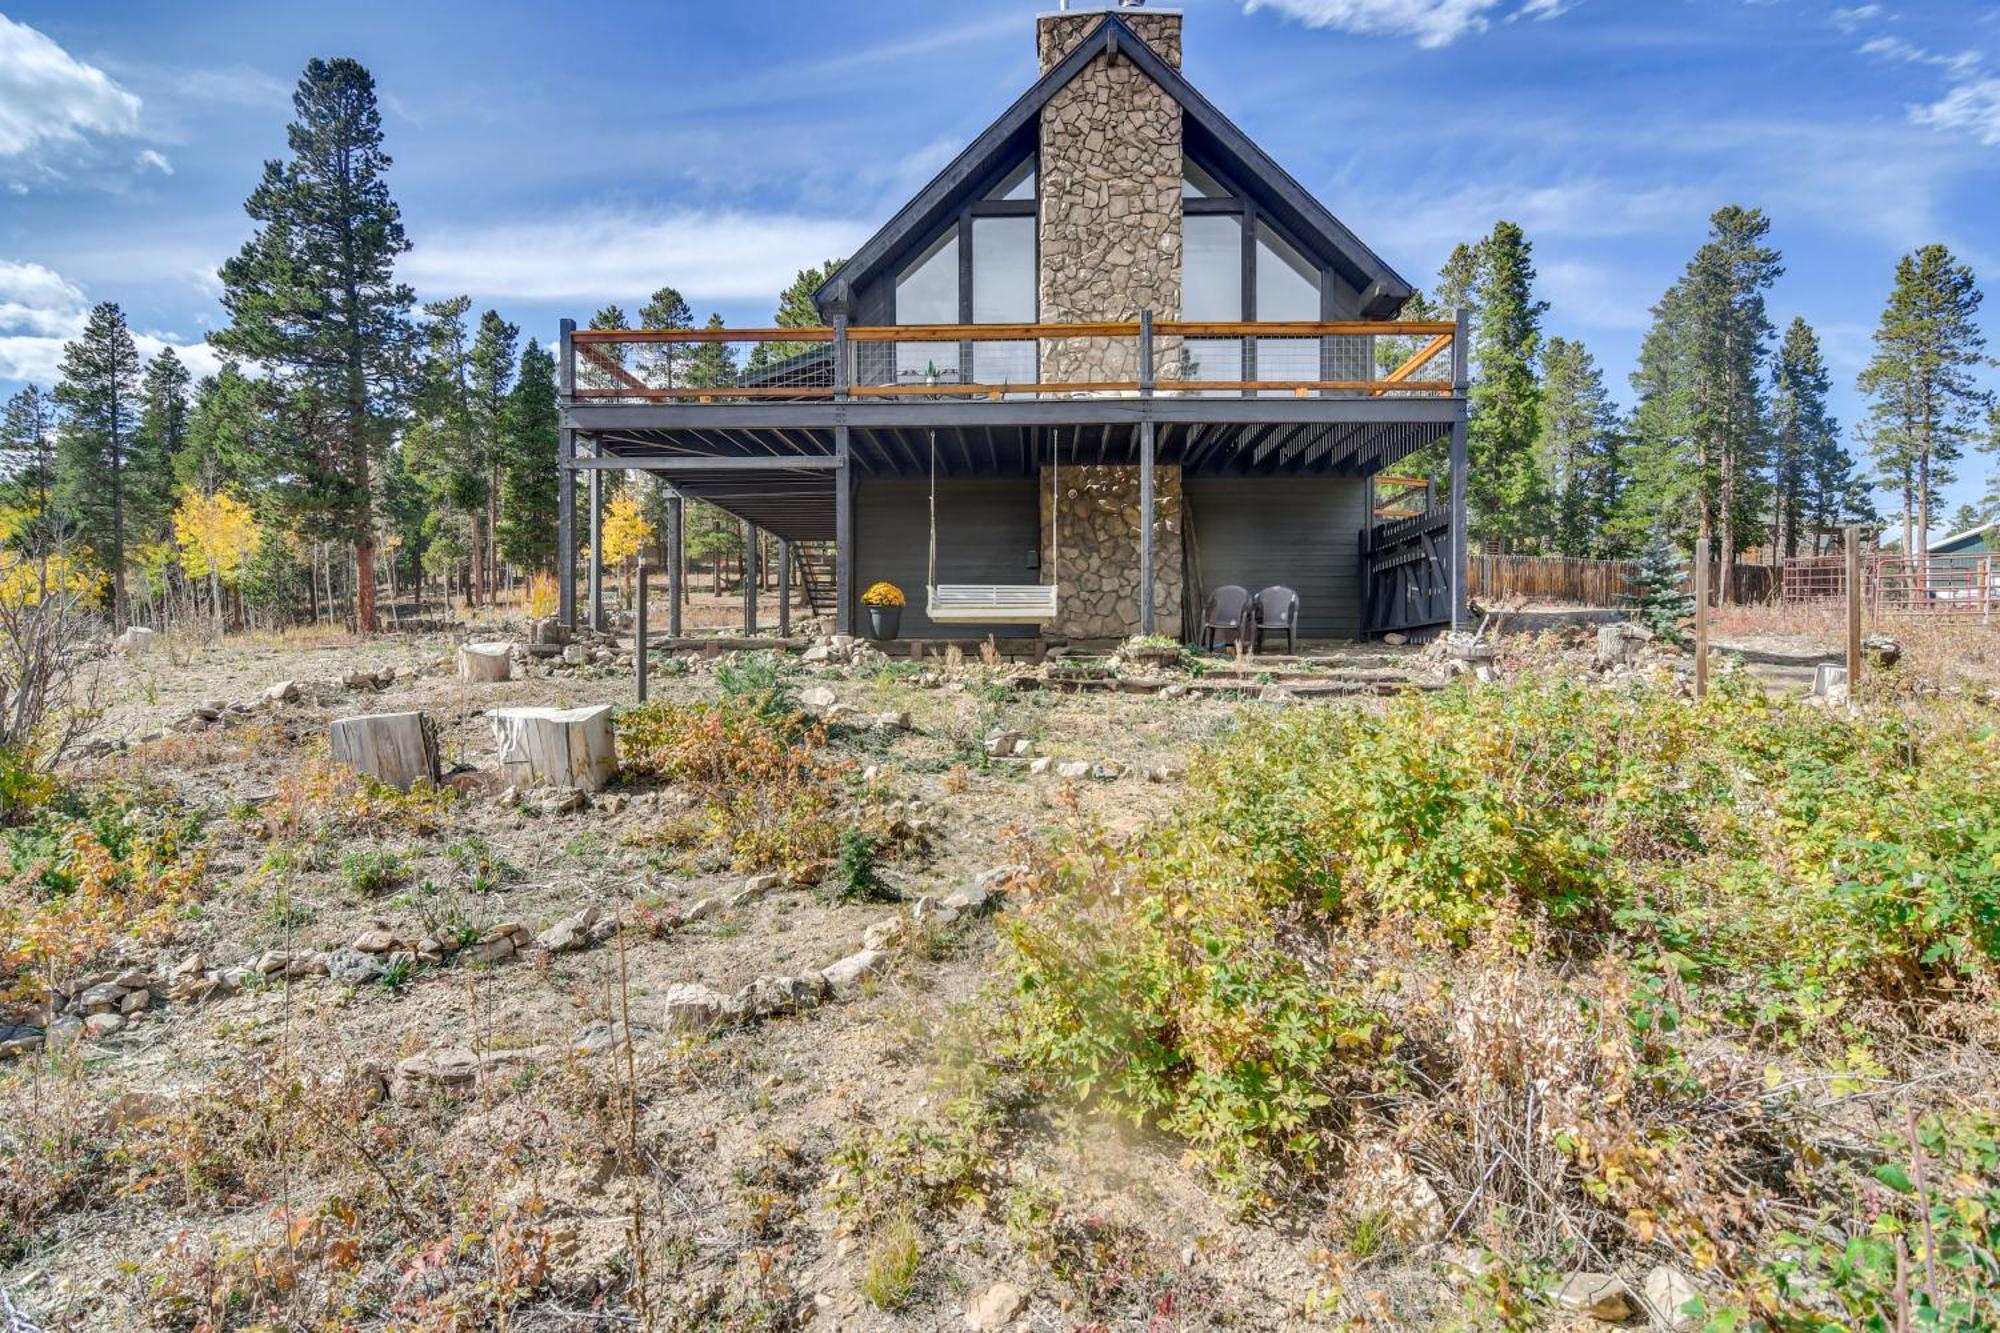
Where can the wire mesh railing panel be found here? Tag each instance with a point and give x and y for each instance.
(703, 365)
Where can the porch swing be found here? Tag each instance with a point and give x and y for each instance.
(996, 603)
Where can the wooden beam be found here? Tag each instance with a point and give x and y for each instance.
(816, 333)
(1419, 361)
(610, 367)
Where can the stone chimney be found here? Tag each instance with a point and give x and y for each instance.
(1056, 35)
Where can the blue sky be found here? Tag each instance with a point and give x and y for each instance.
(551, 158)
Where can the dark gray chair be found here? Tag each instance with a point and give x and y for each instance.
(1225, 616)
(1277, 609)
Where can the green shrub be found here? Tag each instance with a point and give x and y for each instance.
(372, 872)
(765, 683)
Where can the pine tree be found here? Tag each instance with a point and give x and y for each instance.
(1965, 519)
(95, 453)
(529, 486)
(1800, 430)
(1506, 492)
(713, 364)
(492, 366)
(796, 310)
(440, 446)
(1925, 404)
(165, 408)
(1701, 430)
(28, 453)
(1661, 603)
(224, 433)
(312, 299)
(1580, 450)
(665, 364)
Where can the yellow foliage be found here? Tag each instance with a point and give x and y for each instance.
(216, 535)
(543, 596)
(24, 581)
(883, 594)
(626, 530)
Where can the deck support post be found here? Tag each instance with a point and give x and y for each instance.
(676, 563)
(843, 534)
(784, 588)
(566, 486)
(1146, 526)
(596, 544)
(1460, 377)
(751, 577)
(639, 631)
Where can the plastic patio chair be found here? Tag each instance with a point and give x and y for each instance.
(1225, 616)
(1277, 609)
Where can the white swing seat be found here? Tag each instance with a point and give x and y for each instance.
(991, 603)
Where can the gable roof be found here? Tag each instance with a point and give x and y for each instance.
(1984, 537)
(1382, 289)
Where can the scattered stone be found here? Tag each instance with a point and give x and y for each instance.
(844, 978)
(996, 1307)
(976, 896)
(756, 887)
(1073, 769)
(1004, 744)
(767, 996)
(491, 949)
(692, 1007)
(103, 1025)
(817, 698)
(102, 998)
(453, 1069)
(560, 800)
(1042, 765)
(1382, 1183)
(135, 1002)
(354, 967)
(19, 1039)
(1395, 640)
(1106, 770)
(612, 805)
(883, 933)
(569, 934)
(191, 966)
(1599, 1295)
(284, 692)
(1668, 1292)
(699, 910)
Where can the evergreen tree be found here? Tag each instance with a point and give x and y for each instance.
(165, 408)
(796, 310)
(529, 487)
(713, 364)
(1925, 404)
(1506, 492)
(1580, 450)
(1813, 486)
(28, 453)
(1966, 518)
(223, 434)
(598, 366)
(312, 299)
(493, 356)
(664, 364)
(440, 448)
(1661, 603)
(96, 453)
(1701, 430)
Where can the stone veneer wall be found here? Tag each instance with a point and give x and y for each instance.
(1110, 196)
(1098, 595)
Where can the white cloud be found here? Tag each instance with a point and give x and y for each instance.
(1973, 107)
(47, 96)
(40, 310)
(154, 158)
(1431, 22)
(596, 255)
(1848, 20)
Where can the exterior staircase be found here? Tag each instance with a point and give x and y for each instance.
(814, 562)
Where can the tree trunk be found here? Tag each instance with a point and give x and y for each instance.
(571, 747)
(393, 748)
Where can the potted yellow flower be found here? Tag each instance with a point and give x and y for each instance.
(885, 603)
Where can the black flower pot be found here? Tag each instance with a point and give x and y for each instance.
(884, 622)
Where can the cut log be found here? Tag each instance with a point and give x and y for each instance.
(562, 747)
(485, 661)
(393, 748)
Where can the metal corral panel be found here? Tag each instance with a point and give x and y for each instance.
(988, 532)
(1301, 532)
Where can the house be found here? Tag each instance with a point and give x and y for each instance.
(1982, 540)
(1111, 358)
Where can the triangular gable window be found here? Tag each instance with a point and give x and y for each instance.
(1198, 184)
(1016, 184)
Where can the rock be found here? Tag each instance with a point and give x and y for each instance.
(102, 998)
(817, 655)
(692, 1007)
(135, 1002)
(1881, 650)
(355, 966)
(845, 977)
(1668, 1292)
(569, 934)
(1395, 640)
(1599, 1295)
(612, 805)
(575, 654)
(270, 964)
(205, 713)
(600, 1037)
(1164, 773)
(103, 1025)
(701, 908)
(756, 887)
(816, 698)
(1107, 770)
(976, 896)
(20, 1039)
(453, 1069)
(1041, 765)
(560, 800)
(996, 1307)
(1382, 1183)
(191, 966)
(495, 949)
(1002, 744)
(376, 940)
(306, 965)
(284, 692)
(777, 995)
(1073, 769)
(136, 640)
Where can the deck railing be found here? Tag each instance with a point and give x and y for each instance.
(1354, 358)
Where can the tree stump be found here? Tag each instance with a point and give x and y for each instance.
(136, 639)
(561, 747)
(393, 748)
(485, 661)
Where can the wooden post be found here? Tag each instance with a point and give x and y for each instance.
(676, 563)
(1701, 577)
(1146, 527)
(1853, 611)
(784, 588)
(1461, 379)
(751, 577)
(566, 486)
(639, 632)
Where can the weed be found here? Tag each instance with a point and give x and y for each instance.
(371, 872)
(894, 1256)
(854, 877)
(765, 683)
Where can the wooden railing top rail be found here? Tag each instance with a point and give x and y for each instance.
(891, 333)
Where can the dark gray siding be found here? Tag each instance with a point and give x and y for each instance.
(1301, 532)
(988, 532)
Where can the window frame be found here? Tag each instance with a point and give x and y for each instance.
(978, 206)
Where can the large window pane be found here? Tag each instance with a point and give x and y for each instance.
(1003, 270)
(927, 293)
(1017, 184)
(1212, 267)
(1287, 290)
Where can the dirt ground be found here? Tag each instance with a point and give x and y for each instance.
(744, 1124)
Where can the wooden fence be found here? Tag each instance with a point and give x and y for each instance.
(1554, 578)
